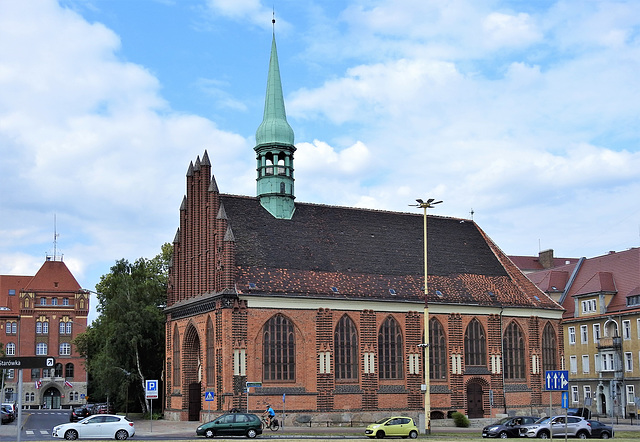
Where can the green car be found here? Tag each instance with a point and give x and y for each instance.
(232, 424)
(393, 426)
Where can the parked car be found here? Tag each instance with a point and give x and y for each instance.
(103, 409)
(10, 407)
(79, 413)
(598, 429)
(232, 424)
(392, 426)
(507, 426)
(582, 412)
(575, 427)
(6, 416)
(98, 426)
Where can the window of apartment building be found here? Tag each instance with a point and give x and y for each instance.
(587, 391)
(573, 364)
(626, 329)
(65, 349)
(596, 363)
(68, 371)
(42, 327)
(596, 333)
(608, 362)
(390, 359)
(638, 327)
(585, 363)
(572, 335)
(11, 328)
(584, 334)
(631, 393)
(43, 301)
(345, 346)
(65, 327)
(54, 301)
(628, 361)
(10, 349)
(589, 306)
(41, 348)
(574, 393)
(633, 300)
(65, 301)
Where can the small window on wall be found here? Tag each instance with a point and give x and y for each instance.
(35, 373)
(10, 349)
(574, 394)
(43, 301)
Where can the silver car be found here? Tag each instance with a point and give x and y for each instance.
(572, 426)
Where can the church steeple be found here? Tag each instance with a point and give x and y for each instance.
(275, 148)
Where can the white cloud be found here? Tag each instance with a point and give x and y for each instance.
(505, 30)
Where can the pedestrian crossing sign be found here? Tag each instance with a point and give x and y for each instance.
(209, 395)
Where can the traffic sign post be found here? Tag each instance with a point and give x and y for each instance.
(151, 393)
(249, 385)
(209, 396)
(557, 380)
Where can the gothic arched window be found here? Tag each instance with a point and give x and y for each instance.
(390, 361)
(513, 352)
(475, 349)
(345, 345)
(211, 357)
(279, 350)
(176, 356)
(437, 350)
(549, 349)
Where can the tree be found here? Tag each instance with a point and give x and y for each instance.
(125, 345)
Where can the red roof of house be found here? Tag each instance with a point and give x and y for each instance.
(53, 276)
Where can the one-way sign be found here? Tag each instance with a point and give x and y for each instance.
(557, 380)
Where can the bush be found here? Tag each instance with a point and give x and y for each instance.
(460, 420)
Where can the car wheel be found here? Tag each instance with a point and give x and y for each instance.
(503, 435)
(209, 433)
(122, 434)
(380, 434)
(582, 434)
(605, 435)
(251, 433)
(543, 435)
(71, 435)
(413, 434)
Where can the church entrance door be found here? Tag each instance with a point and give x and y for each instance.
(195, 401)
(474, 400)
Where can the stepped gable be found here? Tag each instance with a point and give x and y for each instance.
(366, 253)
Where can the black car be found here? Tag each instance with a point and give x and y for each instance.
(507, 426)
(79, 413)
(232, 424)
(582, 412)
(7, 417)
(598, 429)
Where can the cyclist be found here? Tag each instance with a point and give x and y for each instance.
(269, 414)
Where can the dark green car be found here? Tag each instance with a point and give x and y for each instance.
(232, 424)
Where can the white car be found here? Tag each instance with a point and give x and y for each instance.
(103, 426)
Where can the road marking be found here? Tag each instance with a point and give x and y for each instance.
(44, 432)
(30, 432)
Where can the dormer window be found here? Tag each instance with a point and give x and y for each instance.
(589, 306)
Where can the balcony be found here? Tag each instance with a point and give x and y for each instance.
(610, 343)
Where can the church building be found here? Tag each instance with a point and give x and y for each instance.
(319, 309)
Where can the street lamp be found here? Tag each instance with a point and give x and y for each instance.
(427, 394)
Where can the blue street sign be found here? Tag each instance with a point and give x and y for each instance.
(209, 395)
(557, 380)
(283, 395)
(565, 399)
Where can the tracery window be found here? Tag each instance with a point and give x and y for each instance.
(549, 348)
(345, 344)
(279, 360)
(437, 350)
(513, 352)
(390, 360)
(475, 348)
(210, 353)
(176, 356)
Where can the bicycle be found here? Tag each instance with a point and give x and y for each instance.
(274, 426)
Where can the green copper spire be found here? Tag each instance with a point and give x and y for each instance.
(274, 127)
(275, 148)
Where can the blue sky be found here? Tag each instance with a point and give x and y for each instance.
(526, 112)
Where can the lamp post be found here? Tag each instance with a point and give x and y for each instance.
(427, 394)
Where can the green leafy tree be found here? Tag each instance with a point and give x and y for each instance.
(125, 346)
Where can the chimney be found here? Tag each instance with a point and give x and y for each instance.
(546, 259)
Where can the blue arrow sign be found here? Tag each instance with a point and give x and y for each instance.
(557, 380)
(565, 399)
(209, 395)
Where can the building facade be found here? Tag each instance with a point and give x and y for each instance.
(601, 327)
(319, 309)
(41, 315)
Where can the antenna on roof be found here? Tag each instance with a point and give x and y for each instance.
(471, 213)
(55, 237)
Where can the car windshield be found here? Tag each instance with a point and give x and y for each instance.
(382, 421)
(503, 421)
(542, 420)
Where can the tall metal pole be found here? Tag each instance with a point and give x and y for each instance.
(427, 392)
